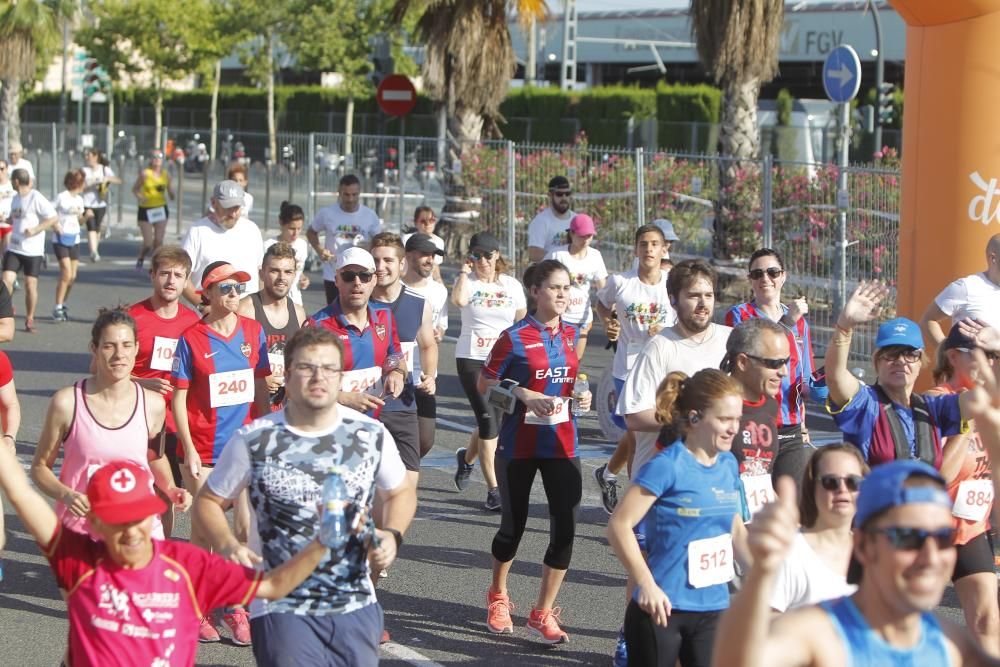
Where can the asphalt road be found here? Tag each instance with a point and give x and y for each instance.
(434, 596)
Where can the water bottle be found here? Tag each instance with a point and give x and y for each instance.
(580, 387)
(333, 529)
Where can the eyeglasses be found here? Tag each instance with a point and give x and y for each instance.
(908, 354)
(309, 370)
(772, 272)
(228, 288)
(832, 482)
(363, 276)
(912, 539)
(562, 193)
(773, 364)
(481, 255)
(991, 356)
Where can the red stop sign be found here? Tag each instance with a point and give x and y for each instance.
(396, 95)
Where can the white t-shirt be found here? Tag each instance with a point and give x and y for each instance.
(436, 295)
(638, 306)
(343, 230)
(241, 246)
(490, 310)
(69, 208)
(23, 164)
(91, 179)
(6, 199)
(247, 204)
(804, 579)
(438, 241)
(664, 353)
(301, 254)
(583, 273)
(27, 213)
(971, 296)
(547, 230)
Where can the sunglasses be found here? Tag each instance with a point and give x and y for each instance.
(562, 193)
(909, 355)
(481, 255)
(228, 288)
(773, 364)
(363, 276)
(992, 356)
(772, 273)
(912, 539)
(832, 482)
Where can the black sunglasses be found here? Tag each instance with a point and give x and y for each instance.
(562, 193)
(772, 273)
(773, 364)
(364, 276)
(832, 482)
(481, 255)
(908, 354)
(912, 539)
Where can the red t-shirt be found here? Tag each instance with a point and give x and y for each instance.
(157, 339)
(145, 616)
(6, 370)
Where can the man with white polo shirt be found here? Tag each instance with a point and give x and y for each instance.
(224, 235)
(976, 296)
(547, 230)
(346, 224)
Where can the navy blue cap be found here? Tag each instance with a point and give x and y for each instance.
(884, 488)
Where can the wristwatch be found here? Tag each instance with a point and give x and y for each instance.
(398, 536)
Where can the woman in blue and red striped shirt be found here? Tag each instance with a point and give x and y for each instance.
(538, 353)
(767, 277)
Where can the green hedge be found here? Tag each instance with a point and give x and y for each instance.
(677, 106)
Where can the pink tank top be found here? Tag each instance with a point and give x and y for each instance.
(89, 445)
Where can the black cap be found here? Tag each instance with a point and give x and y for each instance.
(559, 183)
(484, 241)
(422, 243)
(957, 339)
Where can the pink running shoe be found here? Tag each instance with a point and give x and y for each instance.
(239, 625)
(498, 608)
(207, 633)
(545, 624)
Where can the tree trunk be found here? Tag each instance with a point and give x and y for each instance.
(349, 126)
(158, 114)
(737, 206)
(272, 139)
(464, 130)
(10, 108)
(213, 114)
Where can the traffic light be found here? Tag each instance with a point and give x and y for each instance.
(886, 109)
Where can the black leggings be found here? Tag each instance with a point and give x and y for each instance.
(688, 637)
(486, 418)
(564, 489)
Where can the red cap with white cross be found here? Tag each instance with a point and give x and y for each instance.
(122, 492)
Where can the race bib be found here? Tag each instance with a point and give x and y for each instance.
(410, 360)
(974, 499)
(277, 361)
(558, 416)
(710, 561)
(162, 358)
(158, 214)
(231, 388)
(758, 490)
(482, 342)
(363, 380)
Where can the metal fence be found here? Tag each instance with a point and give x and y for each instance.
(500, 186)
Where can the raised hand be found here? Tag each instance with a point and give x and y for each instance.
(773, 529)
(986, 337)
(864, 305)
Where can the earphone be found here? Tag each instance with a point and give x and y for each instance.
(694, 419)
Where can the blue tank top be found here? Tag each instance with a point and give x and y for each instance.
(408, 311)
(867, 649)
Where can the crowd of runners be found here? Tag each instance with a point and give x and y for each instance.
(744, 542)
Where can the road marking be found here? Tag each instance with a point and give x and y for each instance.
(408, 655)
(455, 426)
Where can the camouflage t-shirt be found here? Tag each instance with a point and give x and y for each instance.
(284, 470)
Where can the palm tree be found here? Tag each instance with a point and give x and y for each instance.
(29, 33)
(738, 44)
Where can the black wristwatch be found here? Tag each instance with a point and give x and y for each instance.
(397, 535)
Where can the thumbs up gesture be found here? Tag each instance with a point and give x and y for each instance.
(774, 527)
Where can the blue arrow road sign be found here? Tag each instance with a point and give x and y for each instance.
(842, 74)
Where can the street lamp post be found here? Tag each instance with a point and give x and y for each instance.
(879, 71)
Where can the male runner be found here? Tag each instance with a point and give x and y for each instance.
(547, 230)
(976, 296)
(159, 322)
(346, 224)
(284, 459)
(277, 314)
(421, 254)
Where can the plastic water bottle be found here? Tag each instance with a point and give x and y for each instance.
(580, 387)
(333, 529)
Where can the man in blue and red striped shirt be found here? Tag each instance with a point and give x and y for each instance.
(373, 360)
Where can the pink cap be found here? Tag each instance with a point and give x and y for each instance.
(582, 225)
